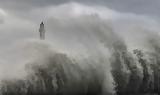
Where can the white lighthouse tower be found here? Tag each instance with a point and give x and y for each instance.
(42, 31)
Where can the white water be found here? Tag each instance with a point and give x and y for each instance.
(88, 36)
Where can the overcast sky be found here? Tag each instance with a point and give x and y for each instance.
(24, 8)
(148, 7)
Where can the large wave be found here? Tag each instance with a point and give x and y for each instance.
(85, 53)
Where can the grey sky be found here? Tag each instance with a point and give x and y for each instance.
(148, 7)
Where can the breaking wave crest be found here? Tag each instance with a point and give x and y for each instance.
(86, 55)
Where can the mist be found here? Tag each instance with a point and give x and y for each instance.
(88, 50)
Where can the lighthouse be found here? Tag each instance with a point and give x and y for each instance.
(42, 31)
